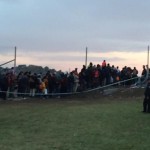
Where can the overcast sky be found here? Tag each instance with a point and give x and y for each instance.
(55, 33)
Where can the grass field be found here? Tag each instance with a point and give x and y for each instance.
(74, 125)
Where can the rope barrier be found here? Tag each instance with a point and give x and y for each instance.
(73, 93)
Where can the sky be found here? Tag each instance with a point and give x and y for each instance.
(55, 33)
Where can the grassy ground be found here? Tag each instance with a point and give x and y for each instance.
(74, 125)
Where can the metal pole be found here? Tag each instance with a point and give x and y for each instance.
(7, 62)
(15, 60)
(148, 57)
(15, 57)
(148, 61)
(86, 58)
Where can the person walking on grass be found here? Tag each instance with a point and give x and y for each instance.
(146, 102)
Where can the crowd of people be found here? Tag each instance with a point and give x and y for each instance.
(31, 84)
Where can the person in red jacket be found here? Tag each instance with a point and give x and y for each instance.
(104, 63)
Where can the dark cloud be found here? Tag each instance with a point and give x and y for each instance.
(70, 26)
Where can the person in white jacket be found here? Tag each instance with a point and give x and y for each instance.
(76, 80)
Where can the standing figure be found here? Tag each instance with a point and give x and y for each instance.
(146, 102)
(3, 86)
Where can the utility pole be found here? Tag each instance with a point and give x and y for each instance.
(148, 57)
(148, 61)
(15, 59)
(86, 57)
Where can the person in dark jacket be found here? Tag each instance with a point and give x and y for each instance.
(146, 102)
(23, 84)
(3, 86)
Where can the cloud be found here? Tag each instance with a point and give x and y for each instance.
(9, 1)
(57, 32)
(73, 25)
